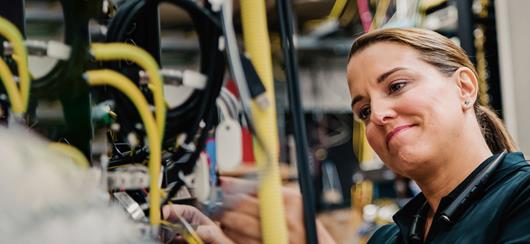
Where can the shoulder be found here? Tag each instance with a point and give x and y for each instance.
(516, 214)
(385, 234)
(520, 194)
(513, 174)
(516, 176)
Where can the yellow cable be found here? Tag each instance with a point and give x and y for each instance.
(257, 44)
(11, 88)
(349, 13)
(424, 4)
(337, 9)
(122, 51)
(380, 14)
(13, 36)
(189, 235)
(361, 146)
(361, 194)
(334, 14)
(74, 153)
(122, 83)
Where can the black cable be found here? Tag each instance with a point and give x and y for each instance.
(199, 107)
(128, 24)
(255, 85)
(295, 105)
(212, 63)
(65, 79)
(474, 188)
(172, 192)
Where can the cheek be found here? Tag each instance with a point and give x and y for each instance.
(416, 101)
(422, 107)
(435, 112)
(375, 138)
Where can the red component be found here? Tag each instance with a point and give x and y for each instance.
(248, 153)
(232, 87)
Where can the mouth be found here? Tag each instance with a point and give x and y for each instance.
(395, 131)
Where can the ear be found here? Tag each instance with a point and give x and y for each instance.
(467, 84)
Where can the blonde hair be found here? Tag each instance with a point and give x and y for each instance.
(447, 57)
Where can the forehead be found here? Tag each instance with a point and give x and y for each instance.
(374, 60)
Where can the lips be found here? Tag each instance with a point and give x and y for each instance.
(395, 131)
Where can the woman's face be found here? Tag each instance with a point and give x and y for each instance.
(411, 111)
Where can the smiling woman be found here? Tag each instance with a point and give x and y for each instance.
(416, 93)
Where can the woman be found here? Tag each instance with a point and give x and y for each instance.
(416, 92)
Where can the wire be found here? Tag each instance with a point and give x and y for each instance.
(188, 234)
(295, 105)
(186, 230)
(256, 39)
(11, 34)
(122, 51)
(337, 9)
(71, 151)
(362, 149)
(11, 88)
(184, 119)
(122, 83)
(364, 14)
(271, 229)
(380, 14)
(335, 13)
(236, 68)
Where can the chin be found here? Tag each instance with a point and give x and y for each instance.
(406, 160)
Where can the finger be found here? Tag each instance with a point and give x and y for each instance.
(189, 213)
(242, 203)
(212, 234)
(232, 186)
(241, 239)
(177, 240)
(241, 223)
(291, 193)
(171, 212)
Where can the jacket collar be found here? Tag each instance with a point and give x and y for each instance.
(511, 163)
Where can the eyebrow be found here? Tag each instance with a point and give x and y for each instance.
(380, 79)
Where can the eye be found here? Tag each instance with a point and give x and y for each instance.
(396, 86)
(364, 113)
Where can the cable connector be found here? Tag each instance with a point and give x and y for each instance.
(216, 4)
(187, 78)
(255, 85)
(128, 177)
(52, 49)
(131, 206)
(58, 50)
(262, 101)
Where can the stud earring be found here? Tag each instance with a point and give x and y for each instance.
(467, 102)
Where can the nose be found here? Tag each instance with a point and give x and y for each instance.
(382, 111)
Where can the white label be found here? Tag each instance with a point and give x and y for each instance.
(202, 179)
(228, 145)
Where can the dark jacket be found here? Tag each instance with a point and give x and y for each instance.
(501, 214)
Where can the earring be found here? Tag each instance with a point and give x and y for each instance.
(466, 103)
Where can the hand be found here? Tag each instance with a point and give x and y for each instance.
(240, 219)
(207, 230)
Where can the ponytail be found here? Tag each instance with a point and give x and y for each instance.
(493, 130)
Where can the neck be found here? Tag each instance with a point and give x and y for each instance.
(450, 171)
